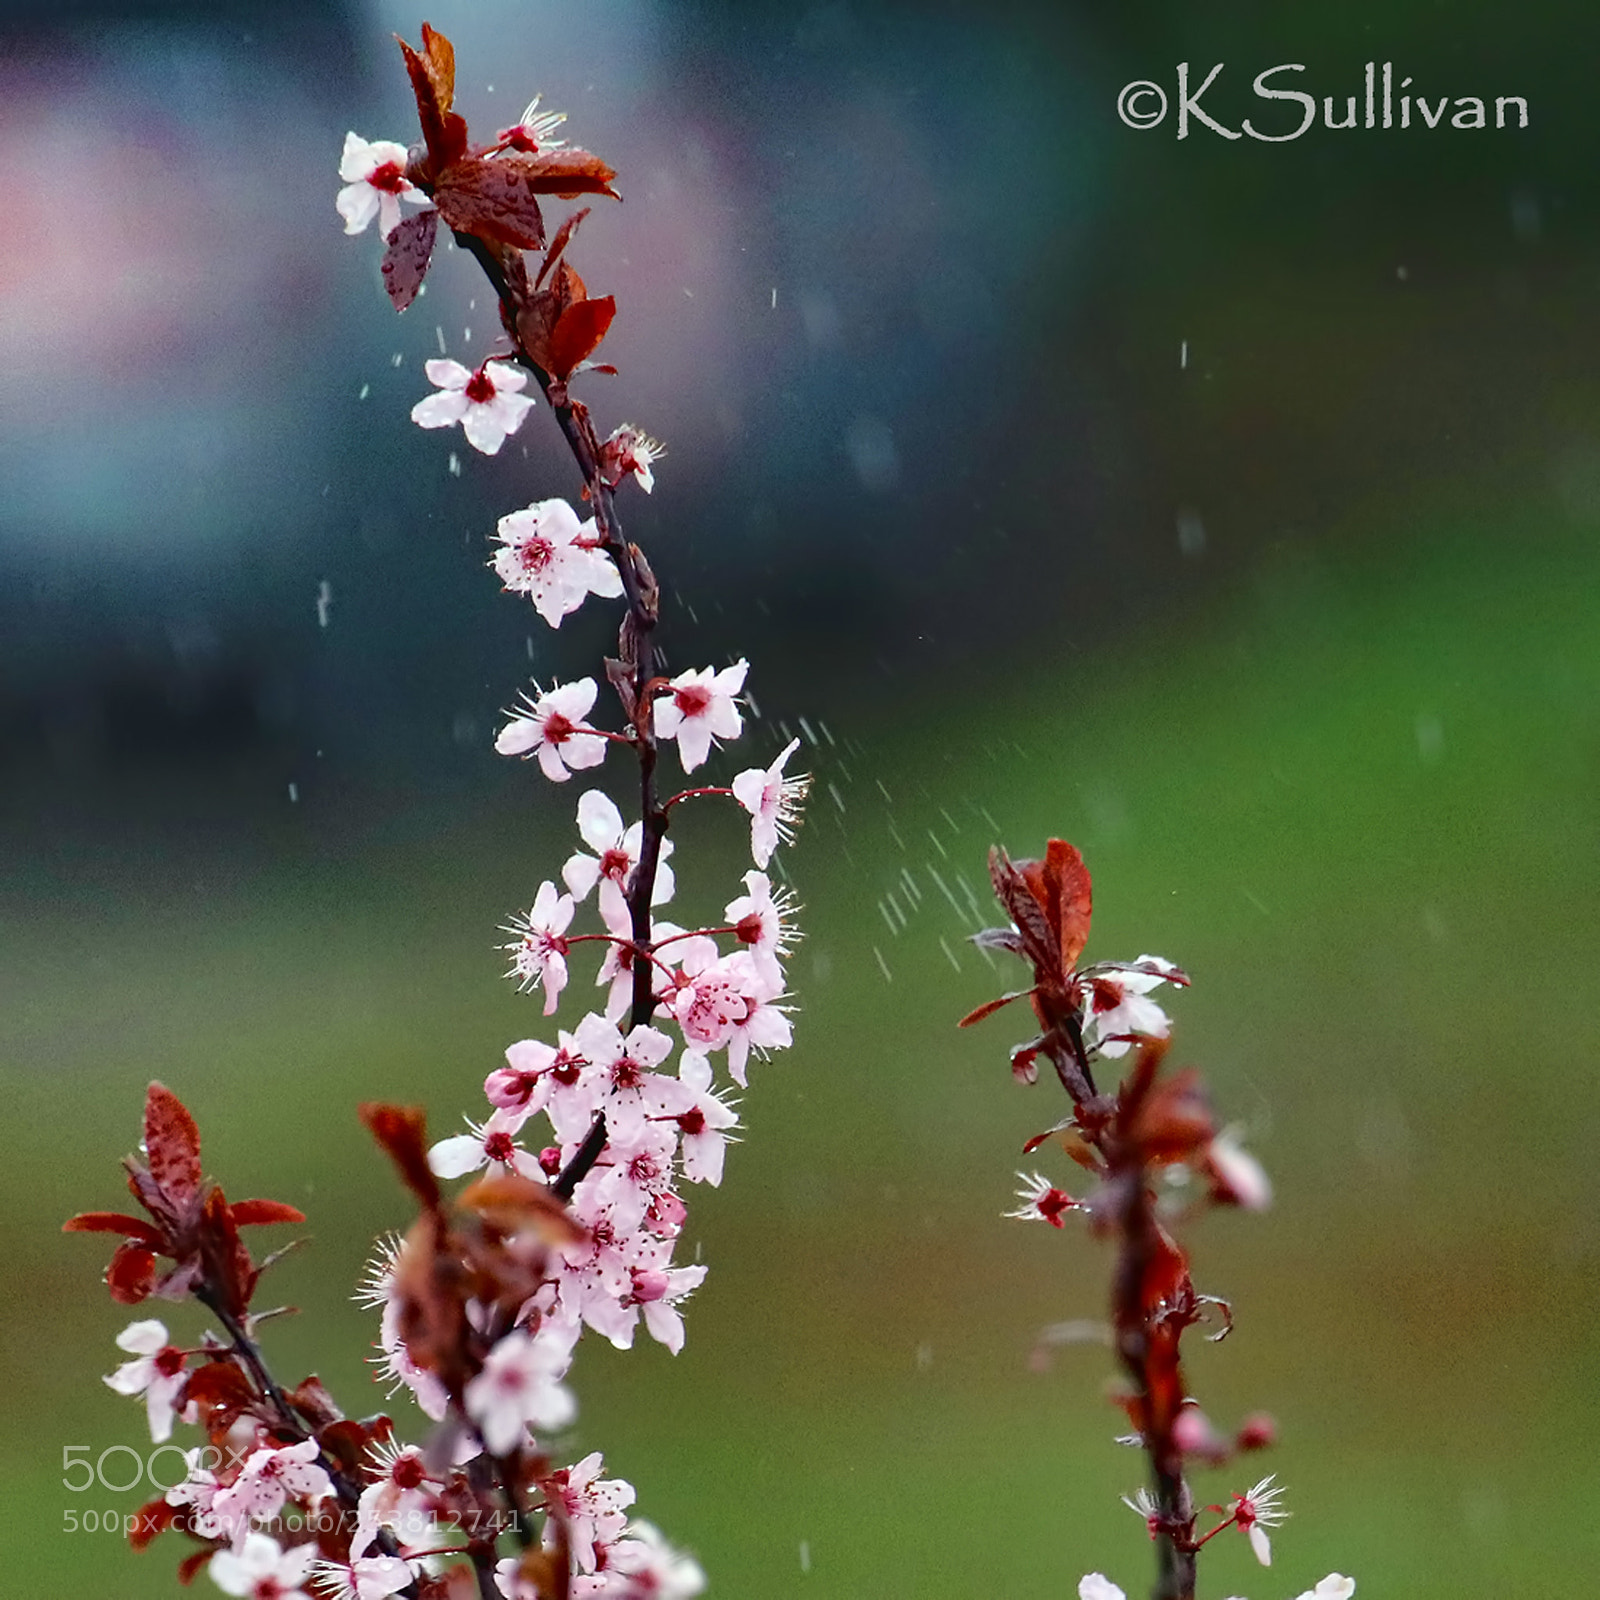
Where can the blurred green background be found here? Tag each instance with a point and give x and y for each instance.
(1230, 509)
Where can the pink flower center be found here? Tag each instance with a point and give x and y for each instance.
(534, 553)
(407, 1473)
(692, 1121)
(615, 864)
(693, 701)
(499, 1147)
(1107, 995)
(557, 728)
(169, 1361)
(748, 928)
(480, 387)
(390, 178)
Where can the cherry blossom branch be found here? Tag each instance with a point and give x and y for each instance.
(1153, 1122)
(511, 287)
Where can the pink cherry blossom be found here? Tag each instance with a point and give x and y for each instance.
(270, 1478)
(615, 859)
(158, 1374)
(551, 727)
(263, 1570)
(539, 950)
(552, 558)
(630, 450)
(703, 1120)
(492, 1144)
(395, 1367)
(760, 921)
(624, 1071)
(375, 181)
(653, 1569)
(487, 402)
(362, 1577)
(520, 1385)
(596, 1507)
(700, 711)
(402, 1499)
(773, 802)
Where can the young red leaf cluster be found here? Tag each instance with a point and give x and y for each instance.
(191, 1224)
(489, 192)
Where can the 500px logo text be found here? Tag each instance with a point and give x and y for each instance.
(1145, 104)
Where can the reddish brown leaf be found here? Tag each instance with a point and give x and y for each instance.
(258, 1213)
(153, 1517)
(225, 1262)
(1039, 944)
(347, 1443)
(440, 60)
(172, 1145)
(1060, 884)
(219, 1382)
(312, 1400)
(403, 1132)
(444, 133)
(558, 245)
(114, 1222)
(578, 333)
(566, 173)
(131, 1274)
(989, 1007)
(513, 1202)
(406, 257)
(189, 1568)
(495, 200)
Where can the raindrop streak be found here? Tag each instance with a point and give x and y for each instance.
(294, 799)
(805, 1544)
(324, 602)
(944, 945)
(366, 389)
(883, 966)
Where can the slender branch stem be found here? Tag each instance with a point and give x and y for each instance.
(638, 650)
(1175, 1556)
(249, 1352)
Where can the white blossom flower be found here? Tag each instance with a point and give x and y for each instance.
(158, 1373)
(551, 727)
(488, 402)
(520, 1384)
(630, 450)
(539, 950)
(262, 1569)
(551, 557)
(375, 181)
(700, 712)
(1258, 1510)
(1097, 1587)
